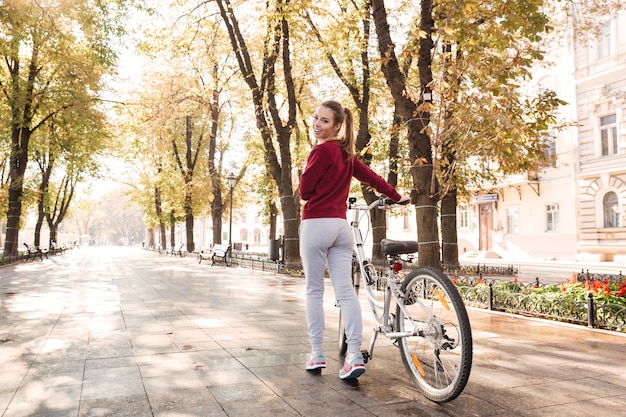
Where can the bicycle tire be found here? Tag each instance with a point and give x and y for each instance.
(439, 358)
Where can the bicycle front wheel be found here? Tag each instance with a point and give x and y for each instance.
(439, 354)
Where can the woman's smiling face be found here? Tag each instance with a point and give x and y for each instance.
(324, 127)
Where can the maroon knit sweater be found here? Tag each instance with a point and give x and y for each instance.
(325, 182)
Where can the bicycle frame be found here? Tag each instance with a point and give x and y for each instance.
(384, 324)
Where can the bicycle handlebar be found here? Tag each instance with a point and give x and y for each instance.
(381, 202)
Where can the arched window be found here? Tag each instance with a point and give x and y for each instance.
(610, 205)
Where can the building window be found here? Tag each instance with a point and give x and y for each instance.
(610, 205)
(552, 213)
(550, 151)
(512, 220)
(603, 47)
(463, 216)
(608, 135)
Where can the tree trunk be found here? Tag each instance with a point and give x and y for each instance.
(159, 215)
(46, 171)
(163, 234)
(20, 138)
(217, 212)
(172, 229)
(426, 216)
(53, 234)
(189, 222)
(38, 224)
(215, 168)
(450, 247)
(273, 213)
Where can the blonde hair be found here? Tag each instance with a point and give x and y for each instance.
(344, 117)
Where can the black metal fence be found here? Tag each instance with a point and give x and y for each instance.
(513, 297)
(256, 262)
(11, 259)
(583, 275)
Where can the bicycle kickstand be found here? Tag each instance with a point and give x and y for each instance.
(367, 355)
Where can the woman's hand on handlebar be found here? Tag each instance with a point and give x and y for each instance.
(404, 200)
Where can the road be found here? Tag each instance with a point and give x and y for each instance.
(550, 271)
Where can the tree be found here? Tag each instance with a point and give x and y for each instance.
(64, 158)
(270, 104)
(54, 57)
(195, 79)
(187, 166)
(415, 114)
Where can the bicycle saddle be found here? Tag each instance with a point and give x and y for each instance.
(398, 247)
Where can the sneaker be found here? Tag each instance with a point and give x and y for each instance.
(353, 367)
(316, 362)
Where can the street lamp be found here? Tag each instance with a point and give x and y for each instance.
(232, 180)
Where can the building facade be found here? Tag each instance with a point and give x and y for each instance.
(601, 178)
(575, 207)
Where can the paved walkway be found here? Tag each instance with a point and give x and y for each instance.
(116, 331)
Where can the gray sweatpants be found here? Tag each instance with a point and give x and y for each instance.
(329, 241)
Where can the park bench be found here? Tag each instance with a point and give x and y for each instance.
(33, 252)
(54, 248)
(177, 250)
(218, 253)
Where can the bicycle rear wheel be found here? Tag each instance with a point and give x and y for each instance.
(439, 356)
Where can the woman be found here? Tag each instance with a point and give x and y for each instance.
(325, 236)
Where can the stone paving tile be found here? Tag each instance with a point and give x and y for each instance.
(102, 389)
(264, 407)
(246, 391)
(43, 398)
(193, 401)
(118, 406)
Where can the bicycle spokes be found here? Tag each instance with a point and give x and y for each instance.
(438, 355)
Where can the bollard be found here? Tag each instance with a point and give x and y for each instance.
(591, 313)
(490, 296)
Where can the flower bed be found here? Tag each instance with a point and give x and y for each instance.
(596, 302)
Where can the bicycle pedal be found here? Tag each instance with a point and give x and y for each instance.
(366, 355)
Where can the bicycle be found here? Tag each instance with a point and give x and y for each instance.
(430, 324)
